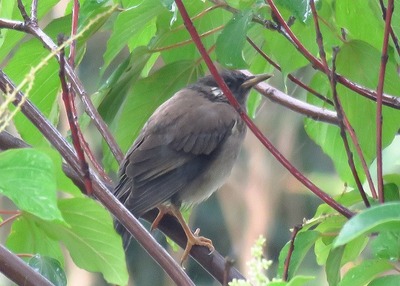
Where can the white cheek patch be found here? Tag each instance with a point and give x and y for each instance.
(217, 92)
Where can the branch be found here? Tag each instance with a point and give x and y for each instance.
(18, 271)
(294, 104)
(388, 100)
(340, 112)
(30, 26)
(379, 91)
(69, 104)
(281, 159)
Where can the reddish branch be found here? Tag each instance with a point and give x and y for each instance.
(74, 30)
(296, 173)
(72, 121)
(370, 94)
(285, 275)
(340, 112)
(379, 92)
(395, 39)
(30, 26)
(290, 76)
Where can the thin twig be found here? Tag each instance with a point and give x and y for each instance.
(388, 100)
(341, 116)
(290, 76)
(76, 84)
(23, 12)
(72, 121)
(281, 159)
(395, 39)
(338, 106)
(34, 18)
(74, 30)
(285, 274)
(11, 218)
(379, 92)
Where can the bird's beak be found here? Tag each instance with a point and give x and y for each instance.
(255, 79)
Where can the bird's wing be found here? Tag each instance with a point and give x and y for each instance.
(174, 147)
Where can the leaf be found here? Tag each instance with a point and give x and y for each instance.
(363, 273)
(376, 218)
(91, 239)
(27, 236)
(387, 245)
(301, 9)
(231, 41)
(368, 28)
(130, 23)
(27, 178)
(299, 280)
(389, 280)
(49, 268)
(359, 110)
(302, 244)
(333, 265)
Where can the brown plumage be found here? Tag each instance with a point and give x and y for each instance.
(185, 151)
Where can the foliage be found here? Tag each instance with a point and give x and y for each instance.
(161, 59)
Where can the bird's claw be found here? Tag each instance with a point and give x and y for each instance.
(195, 239)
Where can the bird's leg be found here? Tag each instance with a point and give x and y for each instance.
(192, 238)
(162, 210)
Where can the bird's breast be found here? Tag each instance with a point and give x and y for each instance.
(220, 166)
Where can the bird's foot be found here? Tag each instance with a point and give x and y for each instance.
(195, 239)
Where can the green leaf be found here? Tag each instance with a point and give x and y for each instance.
(231, 41)
(387, 245)
(302, 244)
(359, 110)
(27, 236)
(333, 265)
(64, 183)
(376, 218)
(389, 280)
(49, 268)
(299, 280)
(91, 239)
(363, 273)
(300, 9)
(132, 26)
(368, 28)
(27, 178)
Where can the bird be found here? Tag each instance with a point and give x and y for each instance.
(185, 152)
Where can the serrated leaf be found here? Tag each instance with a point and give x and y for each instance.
(27, 178)
(91, 239)
(363, 273)
(27, 236)
(49, 268)
(376, 218)
(302, 244)
(231, 41)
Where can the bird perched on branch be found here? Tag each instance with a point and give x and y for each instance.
(185, 152)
